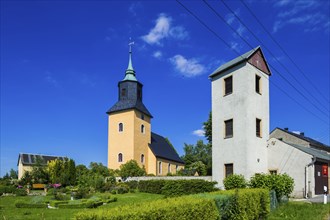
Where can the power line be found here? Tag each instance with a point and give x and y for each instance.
(283, 77)
(294, 63)
(269, 51)
(212, 31)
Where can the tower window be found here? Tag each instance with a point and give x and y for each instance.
(120, 157)
(142, 129)
(169, 168)
(258, 127)
(228, 84)
(159, 167)
(120, 127)
(123, 92)
(142, 158)
(142, 116)
(229, 128)
(229, 169)
(258, 84)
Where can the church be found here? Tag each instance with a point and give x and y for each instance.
(129, 131)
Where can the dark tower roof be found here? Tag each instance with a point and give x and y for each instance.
(129, 91)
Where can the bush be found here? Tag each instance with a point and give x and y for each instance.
(54, 203)
(133, 184)
(110, 200)
(151, 186)
(29, 205)
(234, 181)
(282, 184)
(167, 209)
(7, 189)
(186, 187)
(82, 192)
(122, 190)
(20, 192)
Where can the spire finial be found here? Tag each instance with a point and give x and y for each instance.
(130, 73)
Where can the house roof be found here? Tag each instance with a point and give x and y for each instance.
(122, 105)
(311, 151)
(311, 141)
(236, 61)
(162, 149)
(31, 159)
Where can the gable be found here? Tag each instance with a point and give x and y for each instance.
(258, 60)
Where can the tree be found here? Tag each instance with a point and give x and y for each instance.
(208, 128)
(131, 168)
(38, 172)
(62, 171)
(99, 168)
(13, 174)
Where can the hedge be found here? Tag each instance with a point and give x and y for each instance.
(30, 205)
(151, 186)
(184, 208)
(186, 187)
(55, 203)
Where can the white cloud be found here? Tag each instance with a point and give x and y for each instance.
(157, 54)
(187, 67)
(50, 79)
(199, 133)
(163, 29)
(134, 7)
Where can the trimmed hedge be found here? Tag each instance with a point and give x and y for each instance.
(55, 203)
(186, 187)
(185, 208)
(30, 205)
(151, 186)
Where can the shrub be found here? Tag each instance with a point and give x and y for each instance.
(186, 187)
(82, 192)
(133, 184)
(151, 186)
(167, 209)
(110, 200)
(282, 184)
(20, 204)
(7, 189)
(20, 192)
(55, 203)
(131, 168)
(122, 190)
(234, 181)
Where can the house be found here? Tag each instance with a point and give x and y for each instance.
(129, 131)
(241, 142)
(26, 162)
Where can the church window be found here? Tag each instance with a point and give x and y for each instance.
(258, 84)
(159, 167)
(142, 129)
(142, 158)
(258, 127)
(169, 168)
(120, 157)
(121, 127)
(123, 92)
(229, 169)
(229, 128)
(228, 84)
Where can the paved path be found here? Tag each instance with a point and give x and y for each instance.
(319, 199)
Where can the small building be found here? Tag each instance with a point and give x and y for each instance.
(129, 131)
(26, 162)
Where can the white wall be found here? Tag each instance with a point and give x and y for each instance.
(244, 105)
(287, 159)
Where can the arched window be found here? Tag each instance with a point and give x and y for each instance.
(142, 158)
(159, 167)
(142, 129)
(169, 168)
(120, 157)
(121, 127)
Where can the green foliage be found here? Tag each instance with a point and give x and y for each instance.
(151, 186)
(62, 171)
(133, 184)
(7, 189)
(20, 204)
(55, 203)
(39, 173)
(234, 181)
(99, 168)
(175, 208)
(26, 178)
(131, 168)
(82, 192)
(282, 183)
(20, 192)
(186, 187)
(208, 128)
(199, 167)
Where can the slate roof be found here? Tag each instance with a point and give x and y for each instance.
(31, 159)
(129, 104)
(162, 149)
(312, 151)
(311, 141)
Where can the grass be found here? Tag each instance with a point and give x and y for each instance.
(8, 210)
(301, 211)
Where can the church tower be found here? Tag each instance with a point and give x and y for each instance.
(129, 123)
(240, 116)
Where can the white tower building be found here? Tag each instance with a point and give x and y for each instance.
(240, 116)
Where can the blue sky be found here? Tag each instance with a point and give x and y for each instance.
(61, 62)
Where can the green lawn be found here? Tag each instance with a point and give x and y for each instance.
(301, 211)
(8, 210)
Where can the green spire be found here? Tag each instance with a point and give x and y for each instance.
(130, 72)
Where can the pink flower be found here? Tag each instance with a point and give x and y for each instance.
(56, 185)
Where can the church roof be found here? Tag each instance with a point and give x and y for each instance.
(162, 149)
(242, 58)
(31, 159)
(122, 105)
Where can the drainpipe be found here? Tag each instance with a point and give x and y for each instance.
(306, 175)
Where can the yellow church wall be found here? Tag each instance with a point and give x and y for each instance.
(165, 169)
(152, 163)
(120, 142)
(142, 139)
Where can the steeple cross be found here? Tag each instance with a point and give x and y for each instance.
(130, 44)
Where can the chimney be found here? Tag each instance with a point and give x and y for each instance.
(286, 129)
